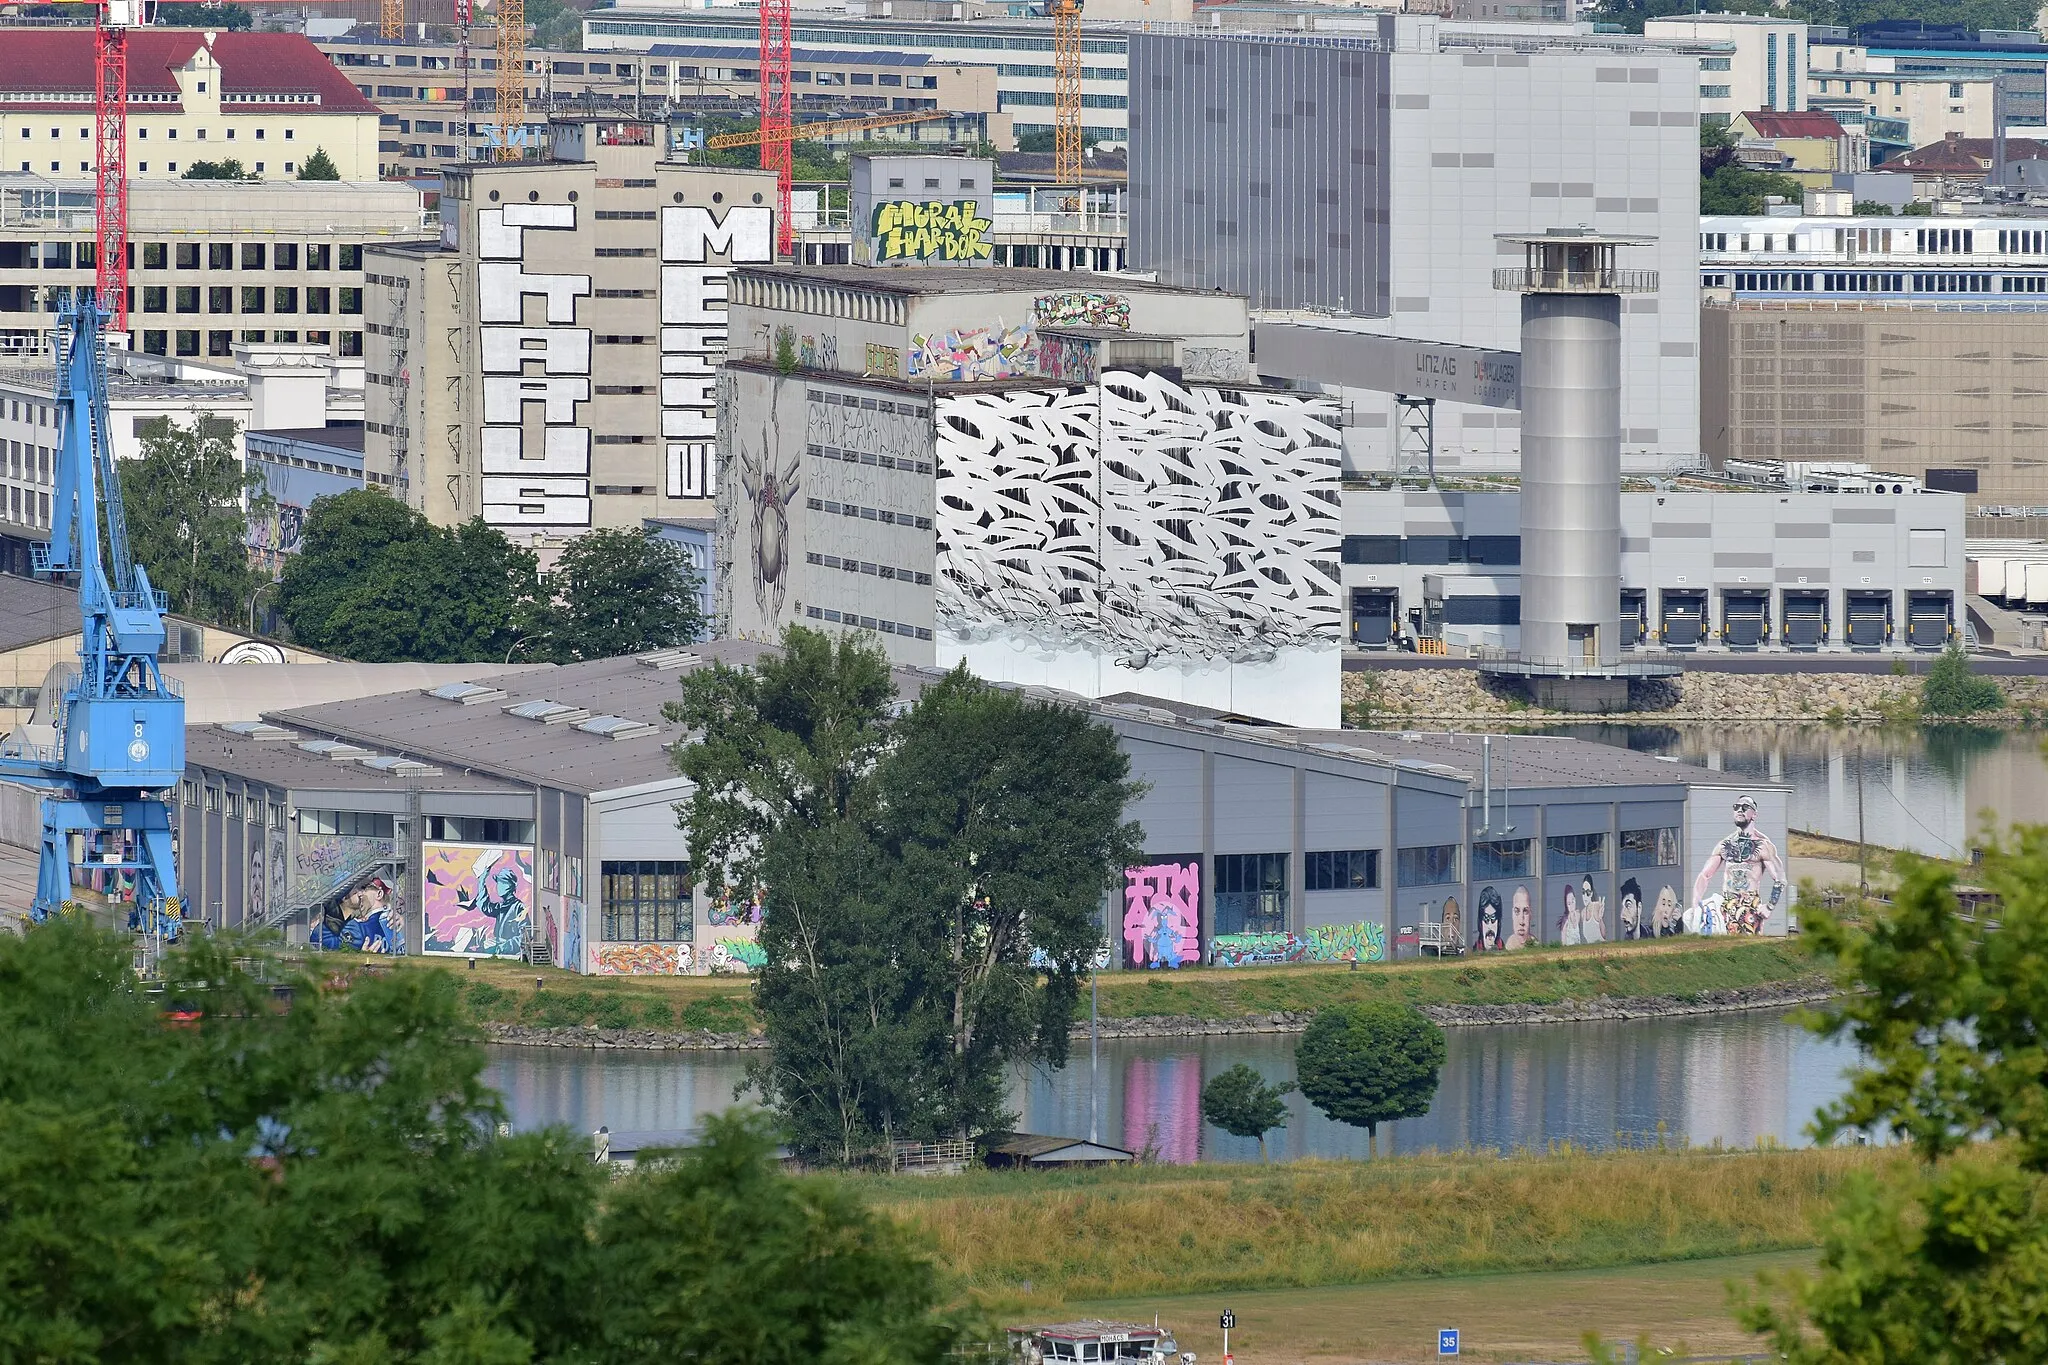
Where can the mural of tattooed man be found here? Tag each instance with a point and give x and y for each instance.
(1741, 858)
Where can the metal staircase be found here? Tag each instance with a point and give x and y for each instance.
(332, 883)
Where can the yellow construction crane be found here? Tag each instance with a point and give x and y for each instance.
(391, 19)
(511, 115)
(1066, 92)
(805, 132)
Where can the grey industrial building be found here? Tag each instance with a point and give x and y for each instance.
(1362, 181)
(1734, 569)
(546, 797)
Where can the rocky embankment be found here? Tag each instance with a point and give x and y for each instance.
(1384, 698)
(1778, 995)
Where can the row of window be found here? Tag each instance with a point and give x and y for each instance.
(1873, 282)
(186, 342)
(187, 255)
(858, 622)
(1432, 549)
(862, 566)
(142, 134)
(282, 298)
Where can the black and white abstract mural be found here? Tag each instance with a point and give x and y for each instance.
(1148, 536)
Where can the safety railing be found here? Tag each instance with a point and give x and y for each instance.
(1519, 279)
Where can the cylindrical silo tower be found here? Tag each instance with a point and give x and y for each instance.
(1571, 444)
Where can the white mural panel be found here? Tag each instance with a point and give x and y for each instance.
(529, 483)
(1191, 552)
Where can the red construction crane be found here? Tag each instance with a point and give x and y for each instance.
(110, 23)
(776, 118)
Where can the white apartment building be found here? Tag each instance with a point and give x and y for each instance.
(1766, 68)
(1933, 106)
(267, 100)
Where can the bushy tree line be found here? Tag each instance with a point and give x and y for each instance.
(931, 869)
(325, 1178)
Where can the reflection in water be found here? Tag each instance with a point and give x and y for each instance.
(1926, 790)
(1737, 1079)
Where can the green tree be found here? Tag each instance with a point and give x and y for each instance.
(1004, 818)
(931, 885)
(229, 169)
(1871, 208)
(615, 592)
(1952, 689)
(1731, 190)
(1919, 208)
(1241, 1103)
(318, 166)
(1943, 1261)
(377, 581)
(1368, 1064)
(187, 502)
(321, 1177)
(183, 14)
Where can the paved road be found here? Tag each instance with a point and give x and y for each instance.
(2029, 666)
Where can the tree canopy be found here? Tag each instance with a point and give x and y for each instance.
(1241, 1103)
(1944, 1261)
(316, 1171)
(319, 166)
(619, 592)
(931, 883)
(376, 581)
(1733, 190)
(228, 169)
(1370, 1063)
(1952, 689)
(186, 502)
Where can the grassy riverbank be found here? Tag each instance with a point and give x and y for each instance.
(1682, 969)
(1031, 1242)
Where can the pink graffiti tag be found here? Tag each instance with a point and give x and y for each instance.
(1161, 902)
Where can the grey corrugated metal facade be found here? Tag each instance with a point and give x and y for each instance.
(1237, 181)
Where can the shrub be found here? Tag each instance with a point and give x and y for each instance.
(1951, 689)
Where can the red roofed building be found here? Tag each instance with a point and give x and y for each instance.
(1811, 147)
(264, 99)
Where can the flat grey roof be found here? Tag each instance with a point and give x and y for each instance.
(1518, 760)
(280, 762)
(965, 279)
(33, 610)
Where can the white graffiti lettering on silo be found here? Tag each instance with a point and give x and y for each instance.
(523, 487)
(693, 293)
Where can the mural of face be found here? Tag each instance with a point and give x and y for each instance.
(1522, 916)
(1634, 924)
(1568, 922)
(1488, 939)
(1670, 919)
(1454, 928)
(1592, 913)
(1742, 859)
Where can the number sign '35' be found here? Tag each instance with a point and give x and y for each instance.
(905, 230)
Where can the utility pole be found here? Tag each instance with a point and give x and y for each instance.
(1862, 874)
(1094, 1058)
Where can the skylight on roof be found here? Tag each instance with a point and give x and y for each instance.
(547, 712)
(399, 767)
(616, 727)
(255, 729)
(331, 748)
(466, 693)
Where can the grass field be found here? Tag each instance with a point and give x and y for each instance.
(1035, 1243)
(506, 992)
(1543, 1315)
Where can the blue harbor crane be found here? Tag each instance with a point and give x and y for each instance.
(116, 739)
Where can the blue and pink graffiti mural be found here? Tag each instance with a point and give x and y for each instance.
(1163, 913)
(1359, 942)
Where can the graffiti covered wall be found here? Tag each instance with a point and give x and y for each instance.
(1363, 941)
(1197, 544)
(974, 353)
(477, 899)
(643, 959)
(1082, 308)
(954, 233)
(698, 251)
(1162, 923)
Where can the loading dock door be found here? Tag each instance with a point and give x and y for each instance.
(1745, 619)
(1635, 617)
(1870, 619)
(1806, 620)
(1372, 617)
(1927, 620)
(1684, 619)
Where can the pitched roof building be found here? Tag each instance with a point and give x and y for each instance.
(267, 100)
(1964, 158)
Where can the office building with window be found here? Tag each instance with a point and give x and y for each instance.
(1764, 65)
(531, 815)
(212, 263)
(267, 100)
(1906, 344)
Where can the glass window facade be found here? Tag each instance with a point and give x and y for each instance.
(1500, 858)
(1344, 870)
(1251, 893)
(1650, 847)
(647, 902)
(1427, 865)
(1575, 853)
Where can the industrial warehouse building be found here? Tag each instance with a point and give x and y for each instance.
(531, 815)
(1769, 568)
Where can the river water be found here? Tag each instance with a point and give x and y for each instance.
(1738, 1079)
(1927, 790)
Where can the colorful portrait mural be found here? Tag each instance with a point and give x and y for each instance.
(366, 920)
(643, 959)
(972, 353)
(1163, 913)
(727, 910)
(1489, 935)
(1515, 926)
(477, 898)
(1362, 941)
(1581, 912)
(1746, 861)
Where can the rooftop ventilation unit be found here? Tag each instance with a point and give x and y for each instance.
(467, 693)
(256, 729)
(332, 748)
(617, 727)
(547, 712)
(667, 660)
(399, 767)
